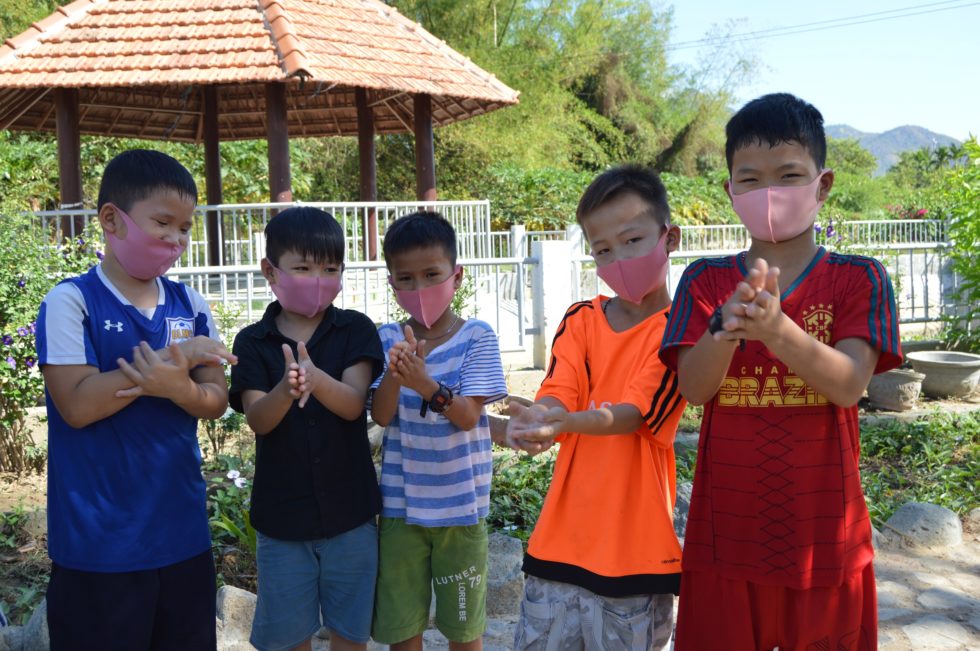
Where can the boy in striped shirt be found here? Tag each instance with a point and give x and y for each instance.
(435, 478)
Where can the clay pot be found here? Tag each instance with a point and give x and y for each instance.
(895, 390)
(948, 373)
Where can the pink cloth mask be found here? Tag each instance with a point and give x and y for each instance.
(634, 278)
(426, 305)
(306, 295)
(779, 212)
(141, 255)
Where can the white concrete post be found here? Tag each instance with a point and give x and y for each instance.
(574, 234)
(518, 241)
(551, 293)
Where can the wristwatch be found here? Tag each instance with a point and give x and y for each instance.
(715, 322)
(439, 402)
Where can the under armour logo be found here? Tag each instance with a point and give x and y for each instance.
(109, 325)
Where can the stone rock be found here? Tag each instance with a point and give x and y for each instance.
(36, 523)
(505, 581)
(11, 638)
(878, 539)
(36, 636)
(236, 610)
(681, 507)
(892, 594)
(887, 614)
(926, 525)
(936, 633)
(973, 520)
(946, 598)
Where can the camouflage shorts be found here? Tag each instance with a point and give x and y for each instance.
(561, 617)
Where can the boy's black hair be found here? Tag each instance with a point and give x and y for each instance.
(419, 230)
(637, 179)
(308, 231)
(773, 119)
(136, 174)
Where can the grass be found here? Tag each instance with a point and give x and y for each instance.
(934, 459)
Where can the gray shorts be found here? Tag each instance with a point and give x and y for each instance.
(561, 617)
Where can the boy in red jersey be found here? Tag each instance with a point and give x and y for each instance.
(778, 542)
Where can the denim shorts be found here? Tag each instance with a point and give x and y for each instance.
(305, 583)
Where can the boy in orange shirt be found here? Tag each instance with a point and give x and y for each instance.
(603, 562)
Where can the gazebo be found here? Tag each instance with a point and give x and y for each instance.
(211, 70)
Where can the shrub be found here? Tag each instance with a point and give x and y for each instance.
(962, 193)
(32, 262)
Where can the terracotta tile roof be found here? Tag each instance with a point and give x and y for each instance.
(139, 66)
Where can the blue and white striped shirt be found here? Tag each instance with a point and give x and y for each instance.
(434, 474)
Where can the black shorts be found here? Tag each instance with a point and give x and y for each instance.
(170, 608)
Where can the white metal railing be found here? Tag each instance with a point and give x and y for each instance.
(240, 240)
(498, 263)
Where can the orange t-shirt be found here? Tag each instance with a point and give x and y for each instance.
(607, 521)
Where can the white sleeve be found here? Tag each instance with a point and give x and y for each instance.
(201, 307)
(61, 327)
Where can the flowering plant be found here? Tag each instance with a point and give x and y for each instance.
(32, 260)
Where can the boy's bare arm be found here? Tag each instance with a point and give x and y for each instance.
(384, 402)
(702, 367)
(174, 380)
(344, 397)
(265, 410)
(83, 395)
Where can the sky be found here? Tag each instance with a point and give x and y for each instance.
(887, 72)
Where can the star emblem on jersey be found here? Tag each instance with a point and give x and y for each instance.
(818, 321)
(109, 325)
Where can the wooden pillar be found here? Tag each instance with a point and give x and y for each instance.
(368, 170)
(277, 134)
(212, 173)
(69, 159)
(425, 165)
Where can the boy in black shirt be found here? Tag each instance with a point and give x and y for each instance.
(302, 381)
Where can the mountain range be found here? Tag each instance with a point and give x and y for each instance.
(888, 145)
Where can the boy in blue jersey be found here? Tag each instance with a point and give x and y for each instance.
(131, 360)
(435, 477)
(302, 382)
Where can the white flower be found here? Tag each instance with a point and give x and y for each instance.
(240, 482)
(234, 474)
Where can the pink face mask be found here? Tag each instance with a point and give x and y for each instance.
(141, 255)
(426, 305)
(779, 212)
(634, 278)
(306, 295)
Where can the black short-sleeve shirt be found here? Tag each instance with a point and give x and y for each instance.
(314, 477)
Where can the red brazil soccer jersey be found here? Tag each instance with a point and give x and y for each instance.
(777, 494)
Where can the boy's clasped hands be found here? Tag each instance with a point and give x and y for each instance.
(406, 362)
(165, 373)
(753, 311)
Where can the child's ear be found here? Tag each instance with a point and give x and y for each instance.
(458, 282)
(268, 271)
(111, 222)
(826, 182)
(673, 238)
(728, 190)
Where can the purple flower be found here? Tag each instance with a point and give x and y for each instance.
(818, 228)
(32, 327)
(7, 340)
(100, 255)
(81, 242)
(21, 282)
(30, 361)
(11, 362)
(22, 332)
(830, 230)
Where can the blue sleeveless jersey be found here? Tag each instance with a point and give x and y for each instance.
(124, 493)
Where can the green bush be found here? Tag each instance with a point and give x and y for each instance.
(961, 191)
(31, 262)
(519, 485)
